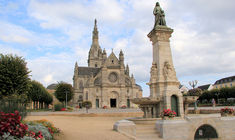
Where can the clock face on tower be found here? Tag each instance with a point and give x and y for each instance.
(113, 77)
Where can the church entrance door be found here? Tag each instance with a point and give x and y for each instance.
(113, 103)
(174, 104)
(97, 103)
(128, 103)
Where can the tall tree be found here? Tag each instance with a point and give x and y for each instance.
(14, 75)
(38, 93)
(62, 89)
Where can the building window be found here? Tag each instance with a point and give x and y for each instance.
(80, 85)
(96, 65)
(231, 85)
(112, 61)
(86, 95)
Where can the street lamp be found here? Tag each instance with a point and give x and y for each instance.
(66, 92)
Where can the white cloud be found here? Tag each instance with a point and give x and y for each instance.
(13, 33)
(52, 68)
(5, 49)
(48, 79)
(72, 17)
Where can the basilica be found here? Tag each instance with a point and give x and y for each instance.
(106, 81)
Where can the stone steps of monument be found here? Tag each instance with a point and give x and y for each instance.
(147, 132)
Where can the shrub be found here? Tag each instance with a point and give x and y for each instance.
(10, 123)
(69, 108)
(87, 104)
(52, 129)
(39, 131)
(10, 106)
(58, 107)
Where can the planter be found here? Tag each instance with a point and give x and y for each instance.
(226, 114)
(167, 118)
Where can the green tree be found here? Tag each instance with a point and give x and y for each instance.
(14, 75)
(38, 93)
(49, 99)
(61, 90)
(195, 92)
(224, 93)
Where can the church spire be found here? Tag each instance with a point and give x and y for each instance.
(95, 57)
(95, 33)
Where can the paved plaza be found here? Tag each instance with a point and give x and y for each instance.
(84, 128)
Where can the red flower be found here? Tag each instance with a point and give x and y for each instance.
(63, 109)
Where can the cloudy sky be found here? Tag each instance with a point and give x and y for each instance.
(53, 35)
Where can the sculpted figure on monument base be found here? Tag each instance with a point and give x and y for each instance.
(159, 16)
(167, 70)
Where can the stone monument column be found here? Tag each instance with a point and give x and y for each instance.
(163, 82)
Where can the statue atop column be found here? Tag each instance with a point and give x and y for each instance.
(159, 16)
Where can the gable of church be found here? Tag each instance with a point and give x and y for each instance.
(112, 61)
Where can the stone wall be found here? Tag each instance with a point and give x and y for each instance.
(185, 129)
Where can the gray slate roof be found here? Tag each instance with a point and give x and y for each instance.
(52, 86)
(204, 87)
(225, 80)
(88, 71)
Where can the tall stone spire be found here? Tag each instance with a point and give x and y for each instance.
(95, 36)
(95, 53)
(127, 70)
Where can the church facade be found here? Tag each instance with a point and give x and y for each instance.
(106, 81)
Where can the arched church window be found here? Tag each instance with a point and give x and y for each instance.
(80, 85)
(112, 62)
(86, 95)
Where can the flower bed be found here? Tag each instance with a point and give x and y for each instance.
(63, 109)
(227, 111)
(13, 129)
(168, 113)
(123, 107)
